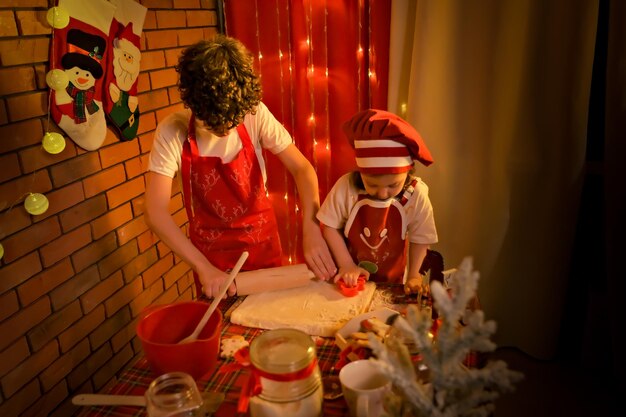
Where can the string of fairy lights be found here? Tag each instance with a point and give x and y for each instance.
(52, 142)
(318, 77)
(290, 242)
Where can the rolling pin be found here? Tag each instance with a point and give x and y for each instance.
(272, 279)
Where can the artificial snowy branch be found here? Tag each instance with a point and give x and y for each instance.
(452, 389)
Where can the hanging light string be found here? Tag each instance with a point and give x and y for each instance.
(283, 116)
(359, 55)
(292, 112)
(371, 76)
(52, 142)
(258, 36)
(311, 78)
(52, 66)
(56, 79)
(37, 203)
(327, 104)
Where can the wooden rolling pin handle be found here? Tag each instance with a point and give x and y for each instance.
(272, 279)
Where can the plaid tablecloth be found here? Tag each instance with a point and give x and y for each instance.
(135, 379)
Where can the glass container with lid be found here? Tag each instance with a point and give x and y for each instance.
(285, 361)
(173, 394)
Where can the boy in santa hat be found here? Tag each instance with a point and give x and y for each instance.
(373, 217)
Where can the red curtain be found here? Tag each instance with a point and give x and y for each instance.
(320, 62)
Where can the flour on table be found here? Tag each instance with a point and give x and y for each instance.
(317, 309)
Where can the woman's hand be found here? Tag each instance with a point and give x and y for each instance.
(351, 274)
(316, 253)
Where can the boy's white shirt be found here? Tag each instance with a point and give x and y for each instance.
(264, 130)
(344, 195)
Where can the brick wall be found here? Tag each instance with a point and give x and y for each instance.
(74, 280)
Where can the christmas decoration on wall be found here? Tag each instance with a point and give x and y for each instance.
(80, 50)
(451, 389)
(57, 17)
(53, 143)
(121, 103)
(94, 65)
(36, 204)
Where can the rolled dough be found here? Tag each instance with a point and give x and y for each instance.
(317, 309)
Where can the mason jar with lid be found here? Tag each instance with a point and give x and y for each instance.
(174, 394)
(291, 384)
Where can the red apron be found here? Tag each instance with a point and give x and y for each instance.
(376, 236)
(228, 208)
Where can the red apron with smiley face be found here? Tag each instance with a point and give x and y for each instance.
(376, 236)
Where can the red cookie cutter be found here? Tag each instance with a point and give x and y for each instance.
(351, 291)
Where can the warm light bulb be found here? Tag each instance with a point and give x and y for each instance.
(260, 55)
(53, 143)
(286, 196)
(36, 204)
(57, 17)
(57, 79)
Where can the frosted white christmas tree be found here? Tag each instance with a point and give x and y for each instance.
(451, 389)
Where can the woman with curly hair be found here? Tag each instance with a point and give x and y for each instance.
(216, 144)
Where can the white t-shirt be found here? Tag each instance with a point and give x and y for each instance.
(344, 195)
(264, 130)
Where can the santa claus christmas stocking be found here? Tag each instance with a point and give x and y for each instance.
(81, 50)
(120, 86)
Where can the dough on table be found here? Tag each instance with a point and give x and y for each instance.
(318, 309)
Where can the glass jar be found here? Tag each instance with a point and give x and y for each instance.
(291, 384)
(174, 394)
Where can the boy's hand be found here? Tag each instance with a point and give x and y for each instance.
(351, 274)
(416, 285)
(317, 255)
(213, 281)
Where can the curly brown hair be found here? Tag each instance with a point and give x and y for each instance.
(218, 82)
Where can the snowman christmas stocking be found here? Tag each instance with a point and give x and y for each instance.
(120, 86)
(80, 50)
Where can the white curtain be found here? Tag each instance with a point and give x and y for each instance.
(499, 90)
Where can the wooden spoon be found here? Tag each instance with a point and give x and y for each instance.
(233, 273)
(211, 401)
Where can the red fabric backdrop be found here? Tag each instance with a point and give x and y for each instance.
(320, 62)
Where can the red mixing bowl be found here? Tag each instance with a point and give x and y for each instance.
(162, 327)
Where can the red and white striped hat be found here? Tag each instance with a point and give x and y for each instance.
(384, 143)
